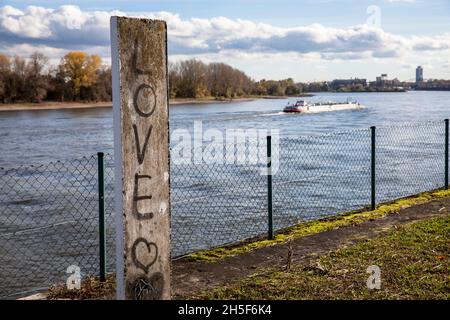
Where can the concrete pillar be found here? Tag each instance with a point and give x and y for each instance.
(141, 151)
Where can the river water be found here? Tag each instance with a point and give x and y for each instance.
(48, 212)
(30, 137)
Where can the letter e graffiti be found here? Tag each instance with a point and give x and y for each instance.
(137, 197)
(374, 280)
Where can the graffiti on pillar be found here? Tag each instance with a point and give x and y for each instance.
(144, 288)
(144, 252)
(142, 144)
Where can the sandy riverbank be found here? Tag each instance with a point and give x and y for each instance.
(53, 106)
(178, 101)
(50, 105)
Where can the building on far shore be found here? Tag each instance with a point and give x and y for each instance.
(419, 74)
(433, 84)
(341, 83)
(383, 82)
(381, 78)
(430, 84)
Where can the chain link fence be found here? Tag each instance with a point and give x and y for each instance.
(49, 221)
(49, 214)
(321, 176)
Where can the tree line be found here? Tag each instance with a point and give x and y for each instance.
(77, 77)
(196, 79)
(82, 77)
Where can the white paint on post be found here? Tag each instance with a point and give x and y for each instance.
(118, 203)
(141, 130)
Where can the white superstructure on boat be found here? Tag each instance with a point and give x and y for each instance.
(302, 106)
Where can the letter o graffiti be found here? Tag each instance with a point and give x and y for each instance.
(135, 100)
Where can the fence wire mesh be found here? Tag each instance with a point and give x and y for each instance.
(49, 213)
(218, 202)
(321, 176)
(49, 221)
(410, 159)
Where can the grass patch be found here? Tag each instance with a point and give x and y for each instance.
(316, 226)
(414, 263)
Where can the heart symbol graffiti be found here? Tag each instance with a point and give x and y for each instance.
(143, 263)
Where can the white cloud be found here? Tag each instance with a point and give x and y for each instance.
(55, 31)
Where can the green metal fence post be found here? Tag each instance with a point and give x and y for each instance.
(373, 176)
(269, 187)
(446, 154)
(101, 214)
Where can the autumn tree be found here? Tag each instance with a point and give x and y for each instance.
(101, 90)
(192, 82)
(194, 79)
(36, 81)
(80, 70)
(174, 80)
(219, 80)
(225, 81)
(17, 90)
(5, 72)
(260, 88)
(59, 89)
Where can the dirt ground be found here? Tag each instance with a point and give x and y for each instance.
(191, 277)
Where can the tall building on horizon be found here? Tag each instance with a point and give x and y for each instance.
(419, 74)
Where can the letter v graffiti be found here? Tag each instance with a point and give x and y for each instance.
(141, 152)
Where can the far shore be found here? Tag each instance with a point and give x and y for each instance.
(52, 105)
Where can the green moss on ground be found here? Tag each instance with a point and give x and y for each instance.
(316, 226)
(414, 263)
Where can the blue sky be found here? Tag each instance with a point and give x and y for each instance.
(418, 17)
(307, 40)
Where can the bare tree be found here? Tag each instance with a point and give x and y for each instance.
(36, 81)
(5, 73)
